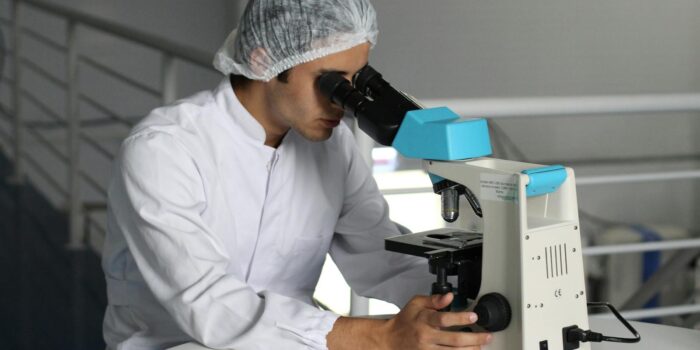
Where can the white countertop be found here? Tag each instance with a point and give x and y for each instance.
(654, 337)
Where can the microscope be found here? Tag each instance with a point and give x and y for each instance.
(523, 274)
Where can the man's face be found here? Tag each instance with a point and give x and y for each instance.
(299, 104)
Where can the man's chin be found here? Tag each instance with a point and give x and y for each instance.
(316, 135)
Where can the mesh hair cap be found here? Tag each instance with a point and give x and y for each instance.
(275, 35)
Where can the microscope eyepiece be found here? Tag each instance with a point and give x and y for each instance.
(340, 92)
(378, 107)
(366, 80)
(329, 82)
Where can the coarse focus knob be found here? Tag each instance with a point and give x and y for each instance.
(493, 311)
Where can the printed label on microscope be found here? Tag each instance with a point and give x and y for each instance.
(497, 187)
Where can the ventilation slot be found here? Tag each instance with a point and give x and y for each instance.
(556, 261)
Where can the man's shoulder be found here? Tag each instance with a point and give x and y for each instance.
(182, 119)
(182, 124)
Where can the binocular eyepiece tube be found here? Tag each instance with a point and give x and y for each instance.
(341, 93)
(378, 107)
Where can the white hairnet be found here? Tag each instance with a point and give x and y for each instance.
(275, 35)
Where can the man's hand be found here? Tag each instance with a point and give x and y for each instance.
(419, 325)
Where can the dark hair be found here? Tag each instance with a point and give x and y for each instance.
(242, 79)
(284, 76)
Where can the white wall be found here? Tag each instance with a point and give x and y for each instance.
(511, 48)
(469, 49)
(201, 24)
(458, 48)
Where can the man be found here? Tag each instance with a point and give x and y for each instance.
(224, 205)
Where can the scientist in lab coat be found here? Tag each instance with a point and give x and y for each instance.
(222, 206)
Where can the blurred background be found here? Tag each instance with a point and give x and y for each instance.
(609, 88)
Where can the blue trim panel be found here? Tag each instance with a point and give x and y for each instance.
(544, 180)
(651, 262)
(441, 134)
(435, 178)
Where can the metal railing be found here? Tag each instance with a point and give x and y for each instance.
(70, 120)
(570, 106)
(82, 223)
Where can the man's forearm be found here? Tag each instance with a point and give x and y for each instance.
(356, 333)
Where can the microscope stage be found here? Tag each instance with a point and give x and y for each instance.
(430, 243)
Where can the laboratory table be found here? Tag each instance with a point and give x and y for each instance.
(654, 337)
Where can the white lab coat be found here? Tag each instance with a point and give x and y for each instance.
(217, 238)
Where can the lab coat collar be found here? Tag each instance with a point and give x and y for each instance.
(227, 100)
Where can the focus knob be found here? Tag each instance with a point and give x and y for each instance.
(493, 311)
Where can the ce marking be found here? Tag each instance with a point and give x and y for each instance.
(557, 293)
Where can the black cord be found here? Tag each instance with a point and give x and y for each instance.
(574, 335)
(629, 327)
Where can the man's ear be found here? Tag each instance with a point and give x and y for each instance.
(259, 61)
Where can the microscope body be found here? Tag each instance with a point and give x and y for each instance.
(531, 249)
(521, 267)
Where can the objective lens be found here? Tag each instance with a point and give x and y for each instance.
(450, 204)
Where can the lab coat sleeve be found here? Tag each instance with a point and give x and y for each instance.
(358, 244)
(159, 195)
